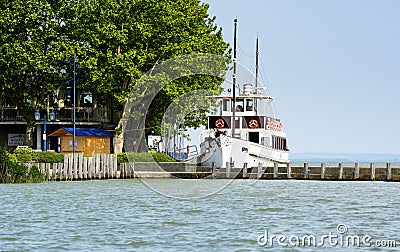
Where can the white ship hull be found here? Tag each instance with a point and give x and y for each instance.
(238, 152)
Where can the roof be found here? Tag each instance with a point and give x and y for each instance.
(96, 132)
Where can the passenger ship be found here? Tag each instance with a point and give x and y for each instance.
(239, 133)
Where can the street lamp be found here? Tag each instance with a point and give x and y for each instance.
(37, 118)
(52, 116)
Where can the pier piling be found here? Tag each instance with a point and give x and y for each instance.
(388, 171)
(372, 171)
(245, 170)
(105, 166)
(259, 170)
(276, 168)
(340, 177)
(323, 167)
(357, 171)
(289, 170)
(306, 173)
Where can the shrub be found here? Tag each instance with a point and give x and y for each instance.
(161, 157)
(27, 155)
(151, 156)
(13, 172)
(49, 157)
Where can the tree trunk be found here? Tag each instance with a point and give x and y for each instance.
(30, 128)
(134, 139)
(119, 138)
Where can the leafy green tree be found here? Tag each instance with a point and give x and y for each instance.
(117, 43)
(30, 47)
(122, 40)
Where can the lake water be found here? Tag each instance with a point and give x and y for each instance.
(127, 215)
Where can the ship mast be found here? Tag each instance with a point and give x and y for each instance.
(256, 82)
(234, 80)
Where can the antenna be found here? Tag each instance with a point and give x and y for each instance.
(256, 82)
(234, 80)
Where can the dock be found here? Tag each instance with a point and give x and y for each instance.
(105, 166)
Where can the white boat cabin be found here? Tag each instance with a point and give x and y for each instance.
(250, 124)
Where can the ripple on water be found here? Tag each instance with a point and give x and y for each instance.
(194, 211)
(323, 201)
(126, 215)
(271, 209)
(174, 223)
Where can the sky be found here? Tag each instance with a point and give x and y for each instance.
(332, 66)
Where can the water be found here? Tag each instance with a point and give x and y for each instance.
(126, 215)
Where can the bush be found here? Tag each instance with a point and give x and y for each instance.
(49, 157)
(161, 157)
(13, 172)
(152, 156)
(27, 155)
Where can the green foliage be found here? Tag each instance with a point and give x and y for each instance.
(49, 157)
(117, 43)
(27, 155)
(151, 156)
(13, 172)
(161, 157)
(4, 161)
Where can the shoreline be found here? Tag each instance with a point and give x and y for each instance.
(108, 168)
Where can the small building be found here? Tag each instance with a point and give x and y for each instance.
(88, 140)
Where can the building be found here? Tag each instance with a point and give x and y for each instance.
(91, 112)
(88, 140)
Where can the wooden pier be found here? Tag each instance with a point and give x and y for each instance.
(105, 166)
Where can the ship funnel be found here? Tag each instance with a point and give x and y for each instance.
(247, 89)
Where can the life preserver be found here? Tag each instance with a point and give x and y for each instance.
(219, 123)
(253, 124)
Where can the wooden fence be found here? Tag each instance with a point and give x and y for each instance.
(78, 167)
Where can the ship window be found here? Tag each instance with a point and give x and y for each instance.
(279, 143)
(239, 105)
(253, 137)
(265, 141)
(225, 105)
(249, 105)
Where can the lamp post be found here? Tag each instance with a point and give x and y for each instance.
(37, 118)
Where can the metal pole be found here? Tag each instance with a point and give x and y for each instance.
(74, 123)
(174, 140)
(234, 81)
(256, 64)
(256, 100)
(44, 134)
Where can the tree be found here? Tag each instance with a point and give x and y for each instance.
(121, 41)
(117, 41)
(30, 63)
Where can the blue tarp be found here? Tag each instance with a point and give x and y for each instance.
(88, 132)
